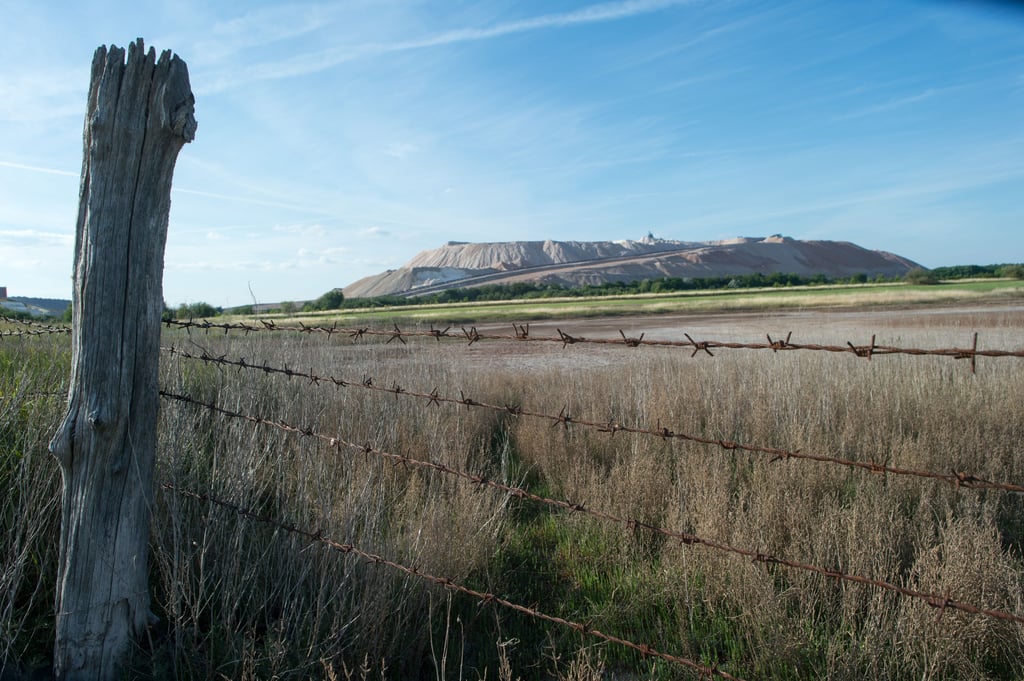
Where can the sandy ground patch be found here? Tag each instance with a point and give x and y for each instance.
(925, 327)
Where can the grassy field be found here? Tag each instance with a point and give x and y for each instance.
(838, 296)
(240, 599)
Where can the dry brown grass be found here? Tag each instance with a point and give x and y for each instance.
(915, 413)
(241, 600)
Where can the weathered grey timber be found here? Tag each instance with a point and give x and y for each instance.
(140, 114)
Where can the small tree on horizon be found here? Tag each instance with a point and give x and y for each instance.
(1011, 271)
(196, 310)
(332, 300)
(921, 276)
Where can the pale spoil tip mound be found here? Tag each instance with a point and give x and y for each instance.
(578, 263)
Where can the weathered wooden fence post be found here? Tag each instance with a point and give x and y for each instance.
(140, 114)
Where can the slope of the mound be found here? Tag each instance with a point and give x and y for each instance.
(513, 255)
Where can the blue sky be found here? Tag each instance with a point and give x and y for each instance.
(338, 139)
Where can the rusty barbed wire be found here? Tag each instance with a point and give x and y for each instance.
(522, 333)
(956, 478)
(32, 322)
(34, 328)
(940, 601)
(484, 598)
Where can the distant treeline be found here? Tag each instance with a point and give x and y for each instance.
(532, 290)
(1008, 270)
(335, 299)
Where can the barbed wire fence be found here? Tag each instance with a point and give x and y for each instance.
(433, 397)
(940, 601)
(521, 333)
(31, 328)
(959, 479)
(484, 598)
(565, 419)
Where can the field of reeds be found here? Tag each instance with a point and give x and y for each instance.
(359, 442)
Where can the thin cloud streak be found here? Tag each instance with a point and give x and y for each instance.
(896, 103)
(325, 59)
(37, 169)
(925, 188)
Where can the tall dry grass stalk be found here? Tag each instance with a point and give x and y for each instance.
(241, 599)
(33, 380)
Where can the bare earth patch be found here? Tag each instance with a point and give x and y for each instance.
(929, 327)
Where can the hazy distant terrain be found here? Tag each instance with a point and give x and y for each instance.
(38, 306)
(580, 263)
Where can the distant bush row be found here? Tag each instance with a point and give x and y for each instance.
(335, 298)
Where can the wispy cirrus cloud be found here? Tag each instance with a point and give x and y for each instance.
(375, 232)
(897, 103)
(37, 169)
(312, 62)
(264, 26)
(34, 237)
(43, 95)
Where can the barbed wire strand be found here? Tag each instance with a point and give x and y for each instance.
(318, 536)
(939, 601)
(956, 478)
(522, 333)
(36, 328)
(32, 322)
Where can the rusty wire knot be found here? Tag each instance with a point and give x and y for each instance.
(563, 418)
(358, 333)
(569, 340)
(397, 333)
(631, 342)
(780, 344)
(438, 333)
(472, 334)
(966, 479)
(863, 351)
(522, 331)
(698, 346)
